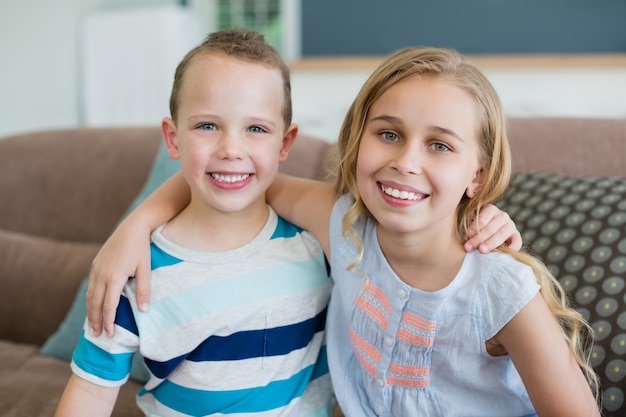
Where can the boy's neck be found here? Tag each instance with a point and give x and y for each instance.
(205, 230)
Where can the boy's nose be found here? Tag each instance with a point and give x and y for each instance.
(229, 147)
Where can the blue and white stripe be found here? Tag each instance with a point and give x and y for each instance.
(238, 333)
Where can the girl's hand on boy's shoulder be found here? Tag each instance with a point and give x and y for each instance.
(491, 229)
(125, 254)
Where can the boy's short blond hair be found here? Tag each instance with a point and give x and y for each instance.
(242, 44)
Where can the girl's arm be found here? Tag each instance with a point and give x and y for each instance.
(305, 203)
(554, 381)
(82, 398)
(126, 253)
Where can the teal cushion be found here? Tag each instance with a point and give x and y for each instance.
(62, 343)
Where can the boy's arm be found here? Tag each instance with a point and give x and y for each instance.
(306, 203)
(554, 381)
(126, 253)
(309, 203)
(492, 228)
(82, 398)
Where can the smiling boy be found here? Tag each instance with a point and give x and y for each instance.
(239, 295)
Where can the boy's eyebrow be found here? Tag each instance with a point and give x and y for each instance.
(256, 119)
(398, 122)
(251, 119)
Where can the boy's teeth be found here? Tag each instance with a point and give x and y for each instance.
(229, 178)
(402, 195)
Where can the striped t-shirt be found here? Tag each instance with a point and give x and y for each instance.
(235, 333)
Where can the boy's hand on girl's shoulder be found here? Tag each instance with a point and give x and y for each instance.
(491, 229)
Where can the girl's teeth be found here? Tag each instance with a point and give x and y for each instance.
(229, 178)
(402, 195)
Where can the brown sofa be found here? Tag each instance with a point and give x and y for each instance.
(63, 192)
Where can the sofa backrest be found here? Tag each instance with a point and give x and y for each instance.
(569, 146)
(72, 184)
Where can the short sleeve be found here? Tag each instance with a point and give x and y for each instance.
(104, 360)
(508, 286)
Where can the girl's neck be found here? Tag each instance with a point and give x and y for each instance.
(425, 262)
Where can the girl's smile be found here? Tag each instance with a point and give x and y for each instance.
(400, 192)
(418, 155)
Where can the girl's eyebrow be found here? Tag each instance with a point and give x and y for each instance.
(387, 118)
(398, 121)
(449, 132)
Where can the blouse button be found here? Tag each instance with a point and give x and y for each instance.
(380, 382)
(401, 293)
(388, 342)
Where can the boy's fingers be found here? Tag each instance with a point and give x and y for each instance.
(482, 228)
(503, 236)
(492, 229)
(515, 241)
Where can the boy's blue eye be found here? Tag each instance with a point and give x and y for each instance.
(256, 129)
(207, 126)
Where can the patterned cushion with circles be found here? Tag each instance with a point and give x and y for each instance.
(577, 226)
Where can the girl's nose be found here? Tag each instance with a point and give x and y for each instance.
(409, 159)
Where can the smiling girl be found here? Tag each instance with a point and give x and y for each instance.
(417, 326)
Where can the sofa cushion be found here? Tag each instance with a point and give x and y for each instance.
(577, 226)
(38, 268)
(62, 343)
(31, 384)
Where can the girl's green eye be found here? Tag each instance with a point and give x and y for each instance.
(390, 137)
(440, 147)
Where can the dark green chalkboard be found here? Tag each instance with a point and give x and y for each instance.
(377, 27)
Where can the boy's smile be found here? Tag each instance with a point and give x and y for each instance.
(230, 133)
(231, 181)
(230, 136)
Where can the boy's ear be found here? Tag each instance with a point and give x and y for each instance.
(168, 129)
(288, 138)
(477, 182)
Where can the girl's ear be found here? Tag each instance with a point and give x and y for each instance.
(477, 182)
(288, 138)
(168, 129)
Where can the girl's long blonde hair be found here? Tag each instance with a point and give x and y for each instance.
(495, 157)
